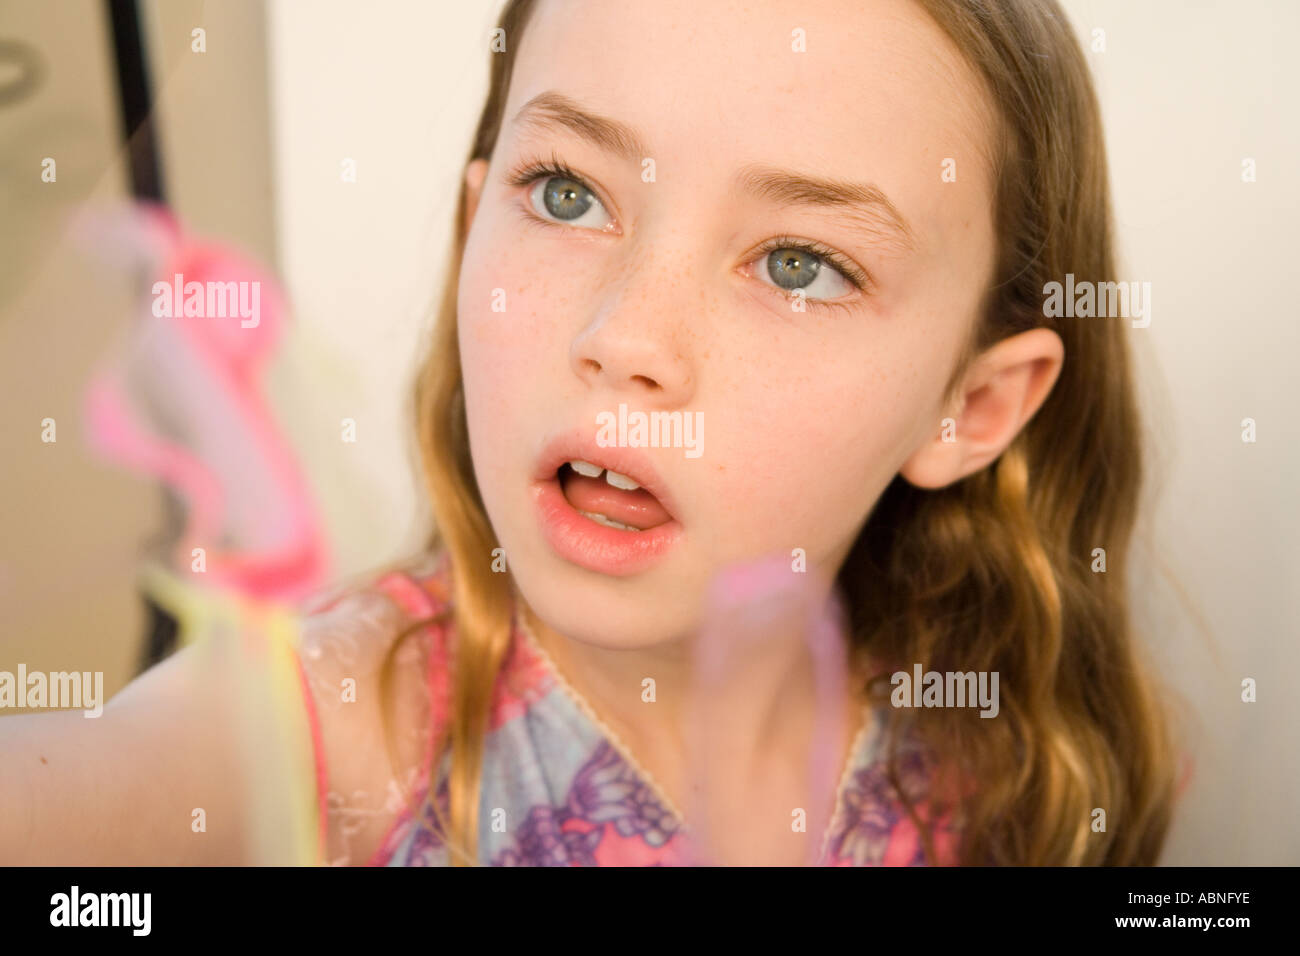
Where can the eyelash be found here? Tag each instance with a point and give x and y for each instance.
(529, 172)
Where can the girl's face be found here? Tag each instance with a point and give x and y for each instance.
(714, 158)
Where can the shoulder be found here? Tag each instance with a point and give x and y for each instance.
(372, 654)
(351, 629)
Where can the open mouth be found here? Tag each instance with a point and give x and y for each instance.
(609, 498)
(612, 522)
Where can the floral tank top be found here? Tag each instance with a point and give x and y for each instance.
(574, 794)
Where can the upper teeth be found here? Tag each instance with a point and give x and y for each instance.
(614, 478)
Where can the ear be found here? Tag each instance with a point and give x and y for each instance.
(999, 393)
(475, 174)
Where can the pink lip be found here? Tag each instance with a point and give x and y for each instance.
(582, 541)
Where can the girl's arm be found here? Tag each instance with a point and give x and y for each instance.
(123, 788)
(209, 757)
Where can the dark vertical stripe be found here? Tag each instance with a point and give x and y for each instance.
(138, 126)
(140, 133)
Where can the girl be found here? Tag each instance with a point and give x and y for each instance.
(820, 238)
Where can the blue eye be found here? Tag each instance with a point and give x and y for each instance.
(566, 200)
(795, 267)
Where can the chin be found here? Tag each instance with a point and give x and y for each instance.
(615, 613)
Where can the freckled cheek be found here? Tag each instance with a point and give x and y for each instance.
(812, 455)
(506, 318)
(504, 346)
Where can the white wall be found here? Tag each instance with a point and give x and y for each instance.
(1187, 94)
(395, 86)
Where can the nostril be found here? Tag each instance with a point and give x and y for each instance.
(648, 382)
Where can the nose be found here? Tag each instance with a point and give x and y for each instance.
(634, 346)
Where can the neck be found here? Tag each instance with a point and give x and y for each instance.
(759, 702)
(611, 681)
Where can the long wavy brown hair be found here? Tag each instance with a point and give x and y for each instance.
(993, 573)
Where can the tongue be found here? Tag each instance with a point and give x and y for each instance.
(639, 508)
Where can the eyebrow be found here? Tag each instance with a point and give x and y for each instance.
(610, 135)
(869, 208)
